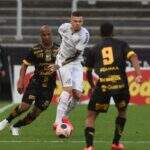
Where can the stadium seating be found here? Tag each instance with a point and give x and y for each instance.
(7, 20)
(131, 19)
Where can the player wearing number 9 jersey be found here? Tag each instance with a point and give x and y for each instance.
(108, 59)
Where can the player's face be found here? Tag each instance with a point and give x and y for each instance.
(76, 23)
(46, 36)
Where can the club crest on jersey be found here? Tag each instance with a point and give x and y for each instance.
(48, 56)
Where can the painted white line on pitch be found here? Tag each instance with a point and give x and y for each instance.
(74, 141)
(6, 107)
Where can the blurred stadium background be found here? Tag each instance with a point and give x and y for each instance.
(20, 21)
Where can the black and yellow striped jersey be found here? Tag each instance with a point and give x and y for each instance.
(41, 57)
(108, 59)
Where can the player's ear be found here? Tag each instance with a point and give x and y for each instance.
(82, 22)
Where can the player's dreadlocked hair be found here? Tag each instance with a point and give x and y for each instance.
(106, 29)
(76, 14)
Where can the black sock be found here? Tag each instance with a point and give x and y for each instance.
(89, 136)
(10, 118)
(120, 123)
(19, 124)
(29, 118)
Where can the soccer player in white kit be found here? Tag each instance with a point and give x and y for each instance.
(74, 39)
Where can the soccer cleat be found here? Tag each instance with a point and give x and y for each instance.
(66, 120)
(3, 124)
(117, 146)
(14, 131)
(89, 148)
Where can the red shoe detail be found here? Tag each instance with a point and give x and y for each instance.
(89, 148)
(66, 120)
(117, 146)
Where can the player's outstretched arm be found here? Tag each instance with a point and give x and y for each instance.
(70, 59)
(20, 86)
(136, 66)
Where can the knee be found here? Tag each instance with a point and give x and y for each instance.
(122, 106)
(23, 107)
(122, 113)
(76, 94)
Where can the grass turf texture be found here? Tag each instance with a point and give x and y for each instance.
(40, 136)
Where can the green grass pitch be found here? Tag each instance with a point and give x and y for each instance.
(40, 136)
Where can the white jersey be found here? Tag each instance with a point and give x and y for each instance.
(72, 41)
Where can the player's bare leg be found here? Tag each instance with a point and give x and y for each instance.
(29, 118)
(119, 127)
(73, 101)
(17, 111)
(90, 130)
(62, 107)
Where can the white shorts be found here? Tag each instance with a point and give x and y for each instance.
(71, 75)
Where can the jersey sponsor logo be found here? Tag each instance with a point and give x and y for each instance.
(105, 69)
(112, 78)
(37, 51)
(110, 87)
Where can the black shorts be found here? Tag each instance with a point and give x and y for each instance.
(41, 96)
(100, 101)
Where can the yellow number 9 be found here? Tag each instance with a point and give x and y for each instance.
(107, 54)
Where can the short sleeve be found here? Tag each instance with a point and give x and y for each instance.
(83, 42)
(62, 28)
(128, 51)
(29, 59)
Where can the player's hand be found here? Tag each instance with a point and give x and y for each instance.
(138, 79)
(20, 86)
(53, 67)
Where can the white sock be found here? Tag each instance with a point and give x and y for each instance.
(72, 104)
(62, 106)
